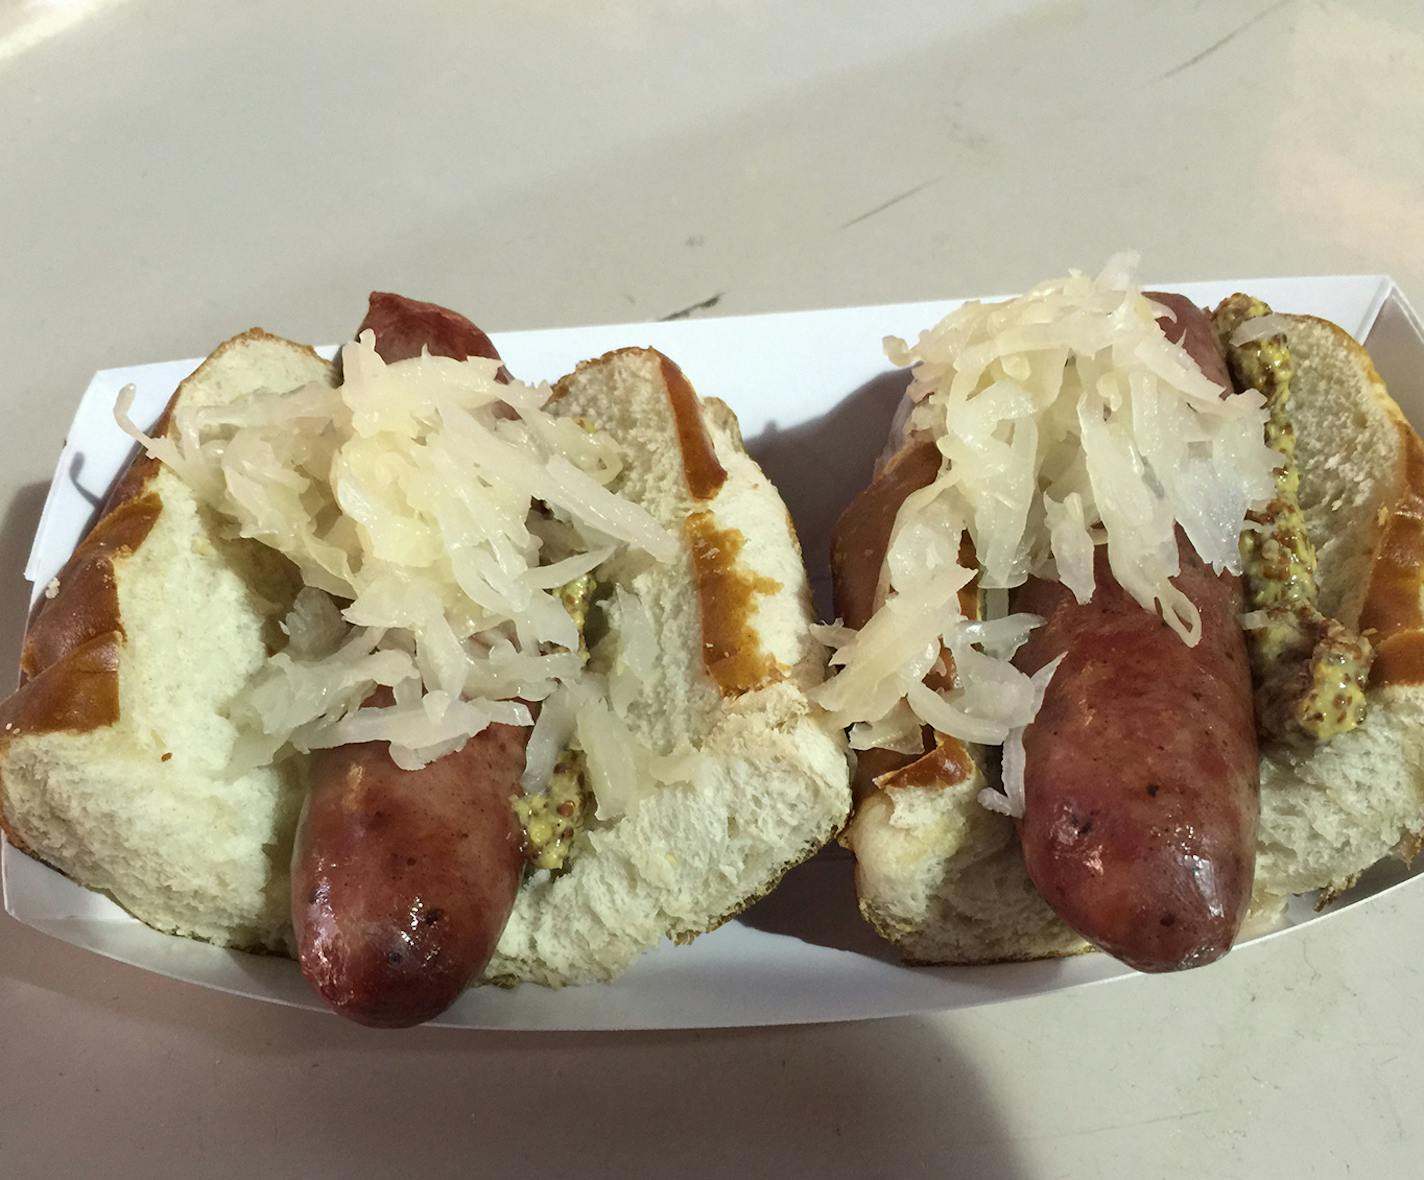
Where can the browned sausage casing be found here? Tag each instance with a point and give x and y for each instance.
(1141, 773)
(405, 326)
(402, 881)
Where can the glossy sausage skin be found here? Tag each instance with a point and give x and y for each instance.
(402, 881)
(404, 326)
(1141, 773)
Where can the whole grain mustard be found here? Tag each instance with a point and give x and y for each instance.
(1309, 671)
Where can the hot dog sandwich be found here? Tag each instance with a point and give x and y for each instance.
(1131, 627)
(424, 675)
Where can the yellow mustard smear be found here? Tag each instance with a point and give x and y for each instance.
(576, 597)
(1309, 671)
(553, 817)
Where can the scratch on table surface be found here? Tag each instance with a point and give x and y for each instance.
(965, 135)
(693, 308)
(1102, 1128)
(895, 200)
(1217, 46)
(1399, 1133)
(1260, 1081)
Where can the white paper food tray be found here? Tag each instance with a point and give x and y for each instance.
(814, 395)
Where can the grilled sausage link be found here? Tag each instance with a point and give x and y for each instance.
(404, 327)
(1141, 772)
(402, 881)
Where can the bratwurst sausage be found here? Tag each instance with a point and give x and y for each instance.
(1141, 769)
(404, 327)
(402, 881)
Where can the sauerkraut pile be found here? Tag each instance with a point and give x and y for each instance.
(1065, 419)
(435, 514)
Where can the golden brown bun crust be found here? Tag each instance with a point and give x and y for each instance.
(731, 650)
(69, 663)
(858, 547)
(1392, 614)
(703, 470)
(78, 693)
(86, 602)
(862, 534)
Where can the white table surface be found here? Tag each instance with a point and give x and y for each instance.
(173, 171)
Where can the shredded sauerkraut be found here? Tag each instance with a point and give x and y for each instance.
(434, 513)
(593, 711)
(1065, 419)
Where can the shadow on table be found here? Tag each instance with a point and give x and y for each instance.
(819, 466)
(815, 902)
(867, 1098)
